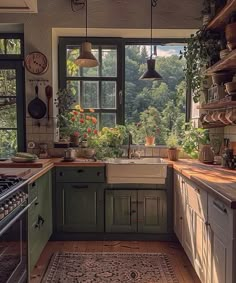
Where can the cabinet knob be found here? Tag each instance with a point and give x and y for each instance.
(36, 203)
(98, 174)
(80, 171)
(133, 211)
(61, 174)
(33, 184)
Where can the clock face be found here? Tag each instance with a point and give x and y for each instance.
(36, 63)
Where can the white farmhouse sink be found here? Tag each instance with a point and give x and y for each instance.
(136, 171)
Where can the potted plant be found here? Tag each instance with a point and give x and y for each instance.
(172, 143)
(82, 126)
(193, 138)
(148, 125)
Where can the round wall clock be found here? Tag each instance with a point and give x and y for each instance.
(36, 63)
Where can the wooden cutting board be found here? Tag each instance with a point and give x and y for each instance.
(40, 163)
(14, 172)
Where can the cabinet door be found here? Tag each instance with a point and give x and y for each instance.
(195, 232)
(80, 207)
(220, 257)
(179, 202)
(152, 214)
(121, 211)
(40, 217)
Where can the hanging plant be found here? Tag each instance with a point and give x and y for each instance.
(202, 51)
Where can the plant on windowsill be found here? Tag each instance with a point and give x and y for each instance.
(172, 143)
(82, 126)
(148, 125)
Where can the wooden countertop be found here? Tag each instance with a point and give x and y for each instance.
(214, 179)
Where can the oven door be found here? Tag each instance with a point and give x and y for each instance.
(13, 247)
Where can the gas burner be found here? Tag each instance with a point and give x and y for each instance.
(7, 183)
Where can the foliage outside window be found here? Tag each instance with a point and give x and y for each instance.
(11, 120)
(99, 87)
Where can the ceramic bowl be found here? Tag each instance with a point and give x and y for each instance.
(214, 116)
(231, 87)
(208, 118)
(231, 115)
(223, 77)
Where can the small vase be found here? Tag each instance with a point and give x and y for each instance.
(150, 141)
(173, 154)
(74, 140)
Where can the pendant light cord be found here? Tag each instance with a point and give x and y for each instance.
(153, 4)
(86, 19)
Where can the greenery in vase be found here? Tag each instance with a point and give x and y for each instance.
(148, 124)
(172, 141)
(193, 137)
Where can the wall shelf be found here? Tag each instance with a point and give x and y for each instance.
(222, 104)
(221, 18)
(229, 62)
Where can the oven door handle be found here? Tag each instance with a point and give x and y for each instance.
(17, 217)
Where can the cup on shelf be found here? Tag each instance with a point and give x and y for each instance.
(222, 118)
(231, 115)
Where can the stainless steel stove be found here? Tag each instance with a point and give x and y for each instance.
(13, 230)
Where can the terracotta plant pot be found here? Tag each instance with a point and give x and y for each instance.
(173, 154)
(150, 141)
(74, 140)
(231, 35)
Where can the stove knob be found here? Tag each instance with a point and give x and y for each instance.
(2, 214)
(14, 202)
(10, 206)
(6, 209)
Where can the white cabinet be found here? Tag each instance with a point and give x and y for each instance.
(206, 229)
(221, 243)
(178, 206)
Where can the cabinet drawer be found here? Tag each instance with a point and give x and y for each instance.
(80, 174)
(221, 215)
(33, 190)
(196, 198)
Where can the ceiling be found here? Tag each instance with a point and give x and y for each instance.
(18, 6)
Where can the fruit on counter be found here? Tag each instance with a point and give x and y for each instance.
(26, 155)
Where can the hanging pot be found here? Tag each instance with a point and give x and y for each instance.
(37, 108)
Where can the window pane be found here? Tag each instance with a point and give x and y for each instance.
(108, 120)
(13, 46)
(108, 95)
(7, 82)
(90, 97)
(8, 143)
(74, 88)
(91, 72)
(8, 113)
(2, 46)
(72, 70)
(109, 62)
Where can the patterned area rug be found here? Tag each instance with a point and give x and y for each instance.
(110, 267)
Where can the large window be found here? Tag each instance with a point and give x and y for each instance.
(99, 87)
(12, 136)
(114, 90)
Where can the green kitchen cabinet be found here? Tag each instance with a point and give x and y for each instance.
(121, 211)
(152, 211)
(136, 211)
(80, 207)
(39, 217)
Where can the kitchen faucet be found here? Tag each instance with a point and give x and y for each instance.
(129, 155)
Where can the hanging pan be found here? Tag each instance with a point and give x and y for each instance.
(37, 108)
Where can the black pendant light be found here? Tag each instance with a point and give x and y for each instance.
(86, 57)
(151, 74)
